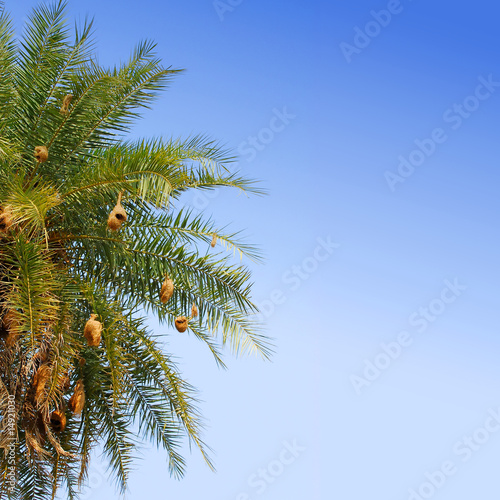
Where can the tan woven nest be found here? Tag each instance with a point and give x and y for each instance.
(117, 216)
(194, 311)
(58, 421)
(41, 154)
(167, 290)
(181, 323)
(40, 380)
(92, 331)
(77, 400)
(65, 104)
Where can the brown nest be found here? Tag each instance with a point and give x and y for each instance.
(58, 420)
(77, 400)
(181, 323)
(41, 154)
(40, 380)
(117, 215)
(65, 104)
(167, 290)
(194, 311)
(92, 331)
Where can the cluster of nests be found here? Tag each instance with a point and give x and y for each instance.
(166, 292)
(9, 325)
(93, 328)
(9, 331)
(57, 419)
(92, 333)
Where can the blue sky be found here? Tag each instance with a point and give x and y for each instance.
(382, 301)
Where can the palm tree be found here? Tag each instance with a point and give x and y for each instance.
(91, 242)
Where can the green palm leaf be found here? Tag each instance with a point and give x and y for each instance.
(61, 261)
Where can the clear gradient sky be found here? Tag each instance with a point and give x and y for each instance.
(374, 126)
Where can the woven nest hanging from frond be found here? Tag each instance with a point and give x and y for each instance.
(117, 216)
(65, 104)
(181, 323)
(167, 290)
(41, 154)
(214, 240)
(58, 420)
(5, 218)
(77, 400)
(92, 331)
(194, 311)
(42, 376)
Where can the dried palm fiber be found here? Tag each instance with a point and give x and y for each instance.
(5, 219)
(36, 443)
(11, 339)
(58, 420)
(40, 357)
(194, 311)
(65, 104)
(40, 380)
(10, 321)
(40, 427)
(60, 255)
(65, 383)
(117, 215)
(214, 240)
(41, 154)
(4, 333)
(92, 331)
(10, 327)
(167, 290)
(77, 401)
(181, 323)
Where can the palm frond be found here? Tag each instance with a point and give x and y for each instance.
(66, 257)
